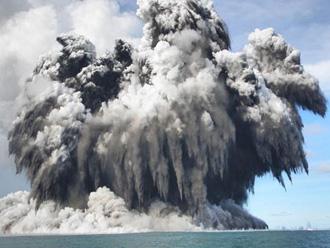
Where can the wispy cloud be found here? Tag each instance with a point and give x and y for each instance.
(315, 129)
(281, 214)
(324, 168)
(10, 8)
(321, 71)
(321, 168)
(262, 11)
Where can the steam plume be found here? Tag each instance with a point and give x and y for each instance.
(180, 119)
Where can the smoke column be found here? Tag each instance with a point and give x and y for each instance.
(180, 119)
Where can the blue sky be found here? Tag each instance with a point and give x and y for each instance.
(306, 25)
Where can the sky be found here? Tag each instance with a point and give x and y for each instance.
(28, 28)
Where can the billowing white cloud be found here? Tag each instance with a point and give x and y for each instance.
(24, 38)
(102, 22)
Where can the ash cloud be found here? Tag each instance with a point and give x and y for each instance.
(29, 29)
(179, 118)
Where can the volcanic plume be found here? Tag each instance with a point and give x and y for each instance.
(179, 119)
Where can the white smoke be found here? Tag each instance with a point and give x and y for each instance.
(106, 213)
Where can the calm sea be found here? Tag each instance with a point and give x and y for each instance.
(268, 239)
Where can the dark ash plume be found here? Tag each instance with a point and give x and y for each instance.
(180, 119)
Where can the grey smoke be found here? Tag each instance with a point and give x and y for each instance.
(179, 119)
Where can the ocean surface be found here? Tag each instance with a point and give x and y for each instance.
(250, 239)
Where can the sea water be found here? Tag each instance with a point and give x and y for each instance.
(250, 239)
